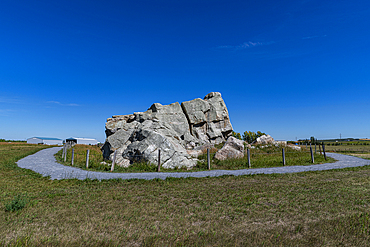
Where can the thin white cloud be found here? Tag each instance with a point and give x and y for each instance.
(54, 102)
(248, 44)
(225, 47)
(245, 45)
(62, 104)
(314, 37)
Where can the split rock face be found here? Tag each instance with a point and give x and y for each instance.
(174, 129)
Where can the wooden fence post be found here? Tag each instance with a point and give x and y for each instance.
(320, 149)
(65, 155)
(208, 160)
(249, 158)
(73, 155)
(315, 147)
(283, 157)
(159, 161)
(323, 149)
(312, 158)
(114, 161)
(87, 158)
(64, 150)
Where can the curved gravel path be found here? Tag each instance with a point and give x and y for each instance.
(43, 162)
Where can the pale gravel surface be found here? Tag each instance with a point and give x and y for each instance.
(44, 162)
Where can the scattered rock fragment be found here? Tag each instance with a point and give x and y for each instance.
(233, 148)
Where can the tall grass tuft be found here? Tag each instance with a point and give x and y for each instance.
(16, 204)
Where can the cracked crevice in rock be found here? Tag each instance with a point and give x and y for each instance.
(174, 129)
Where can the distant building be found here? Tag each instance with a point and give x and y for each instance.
(45, 141)
(85, 141)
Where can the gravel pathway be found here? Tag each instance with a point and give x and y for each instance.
(43, 162)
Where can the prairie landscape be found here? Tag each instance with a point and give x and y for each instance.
(307, 209)
(166, 81)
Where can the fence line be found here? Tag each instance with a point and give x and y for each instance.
(208, 156)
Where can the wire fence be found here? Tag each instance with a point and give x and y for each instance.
(95, 157)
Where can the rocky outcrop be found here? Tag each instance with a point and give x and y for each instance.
(174, 129)
(233, 148)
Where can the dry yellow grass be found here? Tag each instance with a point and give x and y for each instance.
(365, 156)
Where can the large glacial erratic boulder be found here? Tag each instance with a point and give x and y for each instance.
(174, 129)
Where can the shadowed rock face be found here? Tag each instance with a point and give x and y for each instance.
(174, 129)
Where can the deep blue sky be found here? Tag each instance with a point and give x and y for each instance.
(293, 69)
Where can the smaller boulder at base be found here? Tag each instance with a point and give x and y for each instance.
(233, 148)
(265, 139)
(294, 147)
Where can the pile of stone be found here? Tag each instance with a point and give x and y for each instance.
(235, 148)
(179, 131)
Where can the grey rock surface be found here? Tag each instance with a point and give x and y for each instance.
(233, 148)
(208, 118)
(174, 129)
(294, 147)
(43, 162)
(265, 139)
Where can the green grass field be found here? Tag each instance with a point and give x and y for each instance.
(326, 208)
(348, 147)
